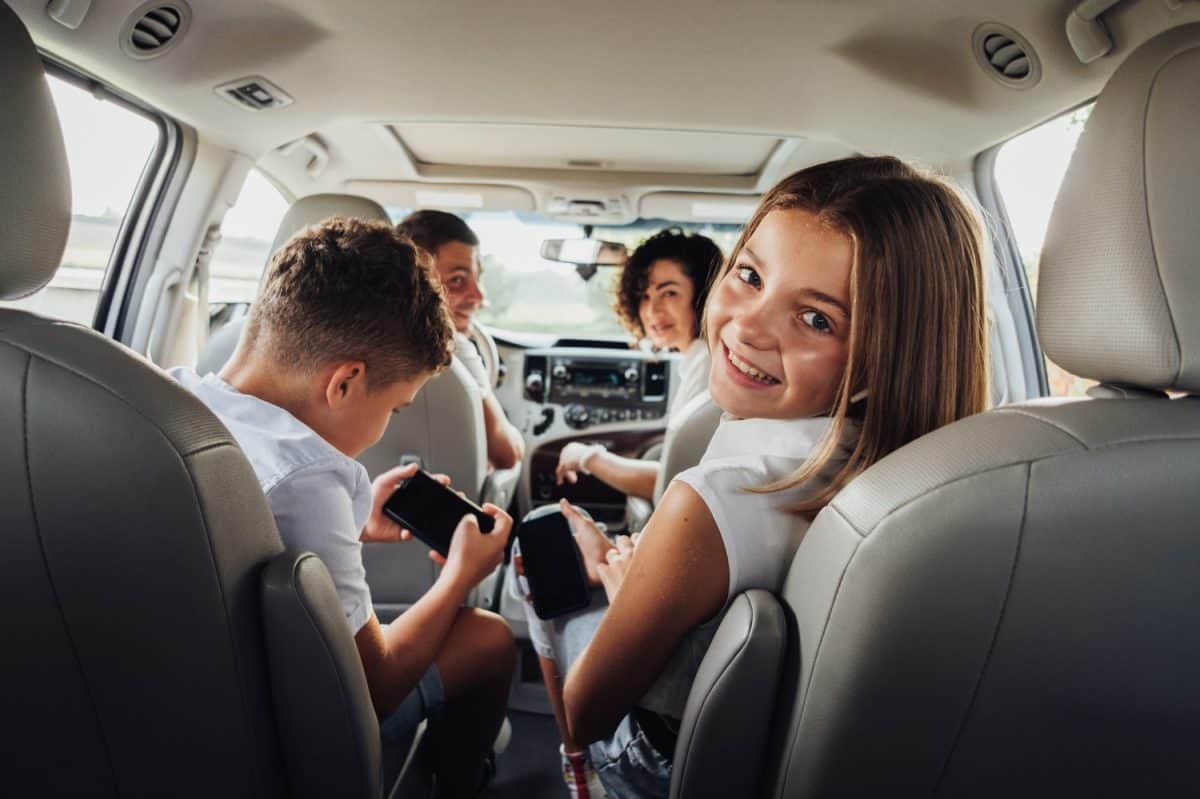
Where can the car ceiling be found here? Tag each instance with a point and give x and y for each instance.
(616, 98)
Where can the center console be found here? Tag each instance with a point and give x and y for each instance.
(593, 388)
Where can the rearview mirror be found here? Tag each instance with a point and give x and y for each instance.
(585, 252)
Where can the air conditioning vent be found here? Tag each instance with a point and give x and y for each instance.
(155, 28)
(1006, 56)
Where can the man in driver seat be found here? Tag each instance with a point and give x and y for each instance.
(454, 248)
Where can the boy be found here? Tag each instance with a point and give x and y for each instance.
(454, 248)
(350, 325)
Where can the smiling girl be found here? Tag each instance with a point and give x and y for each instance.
(848, 321)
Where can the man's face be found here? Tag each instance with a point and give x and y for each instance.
(457, 265)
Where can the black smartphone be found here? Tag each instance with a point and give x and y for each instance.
(553, 567)
(432, 511)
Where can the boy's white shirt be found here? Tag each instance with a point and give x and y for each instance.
(320, 497)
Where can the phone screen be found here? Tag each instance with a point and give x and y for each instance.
(557, 583)
(432, 511)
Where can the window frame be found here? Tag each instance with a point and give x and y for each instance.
(1004, 247)
(130, 245)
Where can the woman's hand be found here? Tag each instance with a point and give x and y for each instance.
(572, 459)
(594, 545)
(379, 527)
(612, 572)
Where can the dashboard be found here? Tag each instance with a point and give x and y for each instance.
(615, 397)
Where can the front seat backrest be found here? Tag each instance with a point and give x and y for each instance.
(689, 431)
(1008, 606)
(132, 536)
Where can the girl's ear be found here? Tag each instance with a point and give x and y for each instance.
(344, 383)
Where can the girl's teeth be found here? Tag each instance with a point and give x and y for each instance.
(749, 370)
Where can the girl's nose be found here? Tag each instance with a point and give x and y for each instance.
(753, 326)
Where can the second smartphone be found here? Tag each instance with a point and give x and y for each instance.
(552, 564)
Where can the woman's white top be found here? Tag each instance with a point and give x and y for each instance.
(692, 376)
(760, 532)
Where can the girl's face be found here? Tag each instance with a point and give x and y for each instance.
(666, 311)
(779, 320)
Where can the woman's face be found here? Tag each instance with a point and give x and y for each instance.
(779, 320)
(666, 311)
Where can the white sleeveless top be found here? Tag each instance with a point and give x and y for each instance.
(760, 531)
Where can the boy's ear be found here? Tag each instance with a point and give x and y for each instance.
(345, 382)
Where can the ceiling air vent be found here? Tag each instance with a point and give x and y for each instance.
(155, 28)
(1006, 56)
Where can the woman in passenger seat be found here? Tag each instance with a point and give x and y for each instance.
(660, 297)
(848, 321)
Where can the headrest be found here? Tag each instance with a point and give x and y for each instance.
(1119, 284)
(318, 207)
(35, 202)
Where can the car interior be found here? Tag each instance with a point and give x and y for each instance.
(1009, 605)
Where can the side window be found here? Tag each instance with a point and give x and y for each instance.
(246, 235)
(108, 147)
(1029, 170)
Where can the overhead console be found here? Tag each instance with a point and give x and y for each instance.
(598, 388)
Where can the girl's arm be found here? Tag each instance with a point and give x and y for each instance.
(678, 578)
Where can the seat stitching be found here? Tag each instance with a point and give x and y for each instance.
(1012, 575)
(1047, 422)
(108, 390)
(49, 574)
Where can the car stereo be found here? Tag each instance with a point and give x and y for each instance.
(598, 389)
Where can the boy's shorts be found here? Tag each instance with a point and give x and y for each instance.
(425, 701)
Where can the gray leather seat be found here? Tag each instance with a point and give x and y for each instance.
(134, 535)
(1010, 606)
(689, 430)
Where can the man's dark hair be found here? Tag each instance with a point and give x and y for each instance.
(429, 230)
(697, 255)
(353, 290)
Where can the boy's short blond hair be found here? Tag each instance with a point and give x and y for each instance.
(353, 290)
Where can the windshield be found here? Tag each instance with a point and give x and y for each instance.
(530, 295)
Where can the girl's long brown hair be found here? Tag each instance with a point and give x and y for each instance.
(918, 331)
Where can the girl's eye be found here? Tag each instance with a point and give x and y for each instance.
(817, 321)
(456, 282)
(748, 276)
(670, 293)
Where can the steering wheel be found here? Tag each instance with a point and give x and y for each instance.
(487, 352)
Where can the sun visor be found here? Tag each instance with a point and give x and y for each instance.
(444, 196)
(698, 207)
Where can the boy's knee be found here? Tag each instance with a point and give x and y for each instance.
(491, 637)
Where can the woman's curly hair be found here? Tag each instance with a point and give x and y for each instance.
(699, 257)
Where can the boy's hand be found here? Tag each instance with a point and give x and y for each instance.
(379, 527)
(593, 545)
(475, 554)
